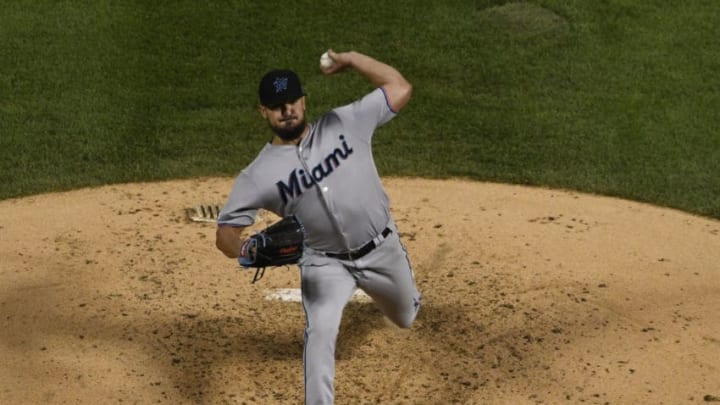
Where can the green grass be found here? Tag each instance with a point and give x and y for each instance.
(614, 97)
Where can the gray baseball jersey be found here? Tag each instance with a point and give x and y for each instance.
(335, 185)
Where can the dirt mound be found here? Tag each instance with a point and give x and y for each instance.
(111, 295)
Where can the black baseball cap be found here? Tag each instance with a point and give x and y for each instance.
(279, 86)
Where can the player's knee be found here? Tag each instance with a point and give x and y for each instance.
(411, 315)
(406, 320)
(405, 317)
(405, 323)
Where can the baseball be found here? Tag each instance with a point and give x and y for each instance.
(326, 61)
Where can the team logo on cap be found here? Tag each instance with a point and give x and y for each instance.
(281, 84)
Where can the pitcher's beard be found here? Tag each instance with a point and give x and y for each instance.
(289, 133)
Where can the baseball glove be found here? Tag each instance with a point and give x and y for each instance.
(279, 244)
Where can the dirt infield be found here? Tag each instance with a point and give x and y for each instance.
(110, 295)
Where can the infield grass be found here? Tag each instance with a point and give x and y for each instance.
(615, 97)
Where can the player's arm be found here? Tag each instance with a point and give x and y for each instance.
(236, 215)
(397, 89)
(229, 239)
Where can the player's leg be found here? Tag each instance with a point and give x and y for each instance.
(388, 278)
(326, 289)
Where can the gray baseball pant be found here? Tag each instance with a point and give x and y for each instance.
(328, 284)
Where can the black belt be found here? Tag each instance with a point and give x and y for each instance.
(356, 254)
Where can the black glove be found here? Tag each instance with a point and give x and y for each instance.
(278, 245)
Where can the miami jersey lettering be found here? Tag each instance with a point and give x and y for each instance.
(299, 180)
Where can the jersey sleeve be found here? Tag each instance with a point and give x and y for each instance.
(239, 210)
(367, 113)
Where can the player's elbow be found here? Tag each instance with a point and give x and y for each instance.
(406, 91)
(220, 245)
(222, 248)
(226, 241)
(399, 94)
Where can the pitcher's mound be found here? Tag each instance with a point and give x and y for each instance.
(113, 295)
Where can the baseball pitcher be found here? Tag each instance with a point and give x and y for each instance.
(323, 176)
